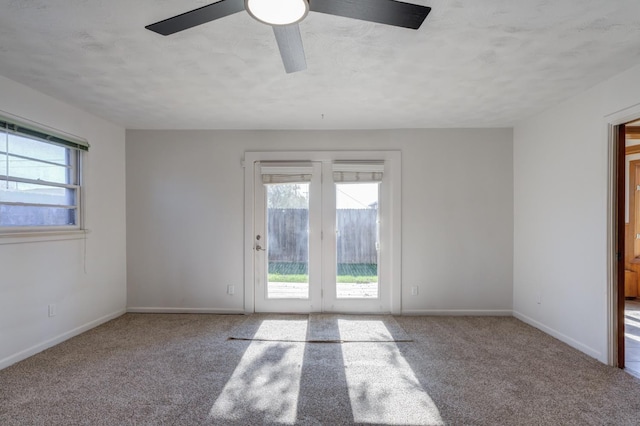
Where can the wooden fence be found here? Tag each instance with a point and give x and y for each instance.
(356, 235)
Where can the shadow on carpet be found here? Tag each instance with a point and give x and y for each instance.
(320, 328)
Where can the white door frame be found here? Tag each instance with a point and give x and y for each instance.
(392, 275)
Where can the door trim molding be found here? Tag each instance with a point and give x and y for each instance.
(394, 171)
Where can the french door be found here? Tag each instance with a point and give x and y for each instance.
(288, 241)
(316, 237)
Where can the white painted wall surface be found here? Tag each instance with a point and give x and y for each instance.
(560, 210)
(36, 274)
(185, 211)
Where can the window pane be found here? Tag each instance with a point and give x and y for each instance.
(288, 241)
(36, 216)
(35, 149)
(29, 169)
(19, 192)
(357, 240)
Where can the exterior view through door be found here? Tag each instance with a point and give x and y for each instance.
(318, 236)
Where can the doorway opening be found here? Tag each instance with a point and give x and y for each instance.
(629, 277)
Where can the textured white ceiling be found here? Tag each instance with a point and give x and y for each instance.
(472, 64)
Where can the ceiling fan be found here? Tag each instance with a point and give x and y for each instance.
(284, 16)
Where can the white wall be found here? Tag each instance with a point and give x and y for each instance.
(185, 215)
(560, 210)
(35, 274)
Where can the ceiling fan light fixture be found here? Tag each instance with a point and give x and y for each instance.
(277, 12)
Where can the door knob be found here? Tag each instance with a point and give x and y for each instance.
(259, 247)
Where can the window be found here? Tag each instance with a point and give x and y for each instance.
(39, 178)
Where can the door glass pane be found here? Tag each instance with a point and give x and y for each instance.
(288, 240)
(357, 240)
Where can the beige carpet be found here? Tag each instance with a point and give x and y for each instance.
(355, 328)
(181, 370)
(320, 328)
(272, 327)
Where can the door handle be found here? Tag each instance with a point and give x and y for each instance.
(259, 247)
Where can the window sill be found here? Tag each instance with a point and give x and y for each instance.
(42, 236)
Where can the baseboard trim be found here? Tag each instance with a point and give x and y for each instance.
(24, 354)
(560, 336)
(159, 310)
(460, 312)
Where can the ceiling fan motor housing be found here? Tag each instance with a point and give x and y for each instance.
(277, 12)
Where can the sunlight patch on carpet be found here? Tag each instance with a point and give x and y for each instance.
(320, 328)
(272, 327)
(632, 337)
(383, 387)
(265, 385)
(355, 328)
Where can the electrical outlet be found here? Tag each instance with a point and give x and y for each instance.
(52, 310)
(231, 289)
(414, 290)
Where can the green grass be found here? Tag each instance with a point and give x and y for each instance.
(288, 278)
(356, 273)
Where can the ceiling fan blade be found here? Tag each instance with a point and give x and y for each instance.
(197, 17)
(290, 45)
(389, 12)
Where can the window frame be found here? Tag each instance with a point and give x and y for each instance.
(75, 148)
